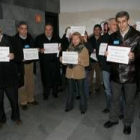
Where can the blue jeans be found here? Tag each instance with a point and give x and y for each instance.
(107, 85)
(87, 84)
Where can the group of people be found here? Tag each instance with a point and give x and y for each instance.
(121, 81)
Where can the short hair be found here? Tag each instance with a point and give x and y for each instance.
(122, 14)
(49, 24)
(22, 23)
(98, 26)
(110, 19)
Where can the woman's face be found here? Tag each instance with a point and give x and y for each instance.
(75, 40)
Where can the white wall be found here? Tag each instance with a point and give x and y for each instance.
(91, 12)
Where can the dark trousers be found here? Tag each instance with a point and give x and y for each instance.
(12, 94)
(48, 89)
(71, 95)
(129, 91)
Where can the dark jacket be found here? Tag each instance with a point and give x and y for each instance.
(105, 66)
(65, 42)
(8, 70)
(49, 63)
(95, 45)
(122, 73)
(90, 50)
(18, 47)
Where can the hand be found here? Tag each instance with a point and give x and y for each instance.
(11, 56)
(59, 48)
(42, 50)
(60, 59)
(131, 56)
(106, 53)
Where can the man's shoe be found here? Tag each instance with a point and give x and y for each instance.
(56, 96)
(83, 112)
(24, 107)
(106, 111)
(127, 130)
(33, 103)
(78, 98)
(109, 124)
(18, 122)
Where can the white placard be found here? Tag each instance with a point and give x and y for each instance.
(69, 57)
(118, 54)
(51, 48)
(93, 56)
(102, 48)
(138, 25)
(30, 54)
(4, 54)
(79, 29)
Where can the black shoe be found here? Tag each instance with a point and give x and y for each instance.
(24, 107)
(109, 124)
(56, 96)
(83, 112)
(106, 111)
(121, 117)
(78, 98)
(67, 110)
(33, 103)
(127, 130)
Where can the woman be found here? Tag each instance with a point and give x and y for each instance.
(8, 83)
(76, 73)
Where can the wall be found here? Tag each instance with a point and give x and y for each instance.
(13, 11)
(91, 12)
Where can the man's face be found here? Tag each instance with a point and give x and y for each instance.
(23, 30)
(49, 31)
(123, 23)
(113, 27)
(97, 31)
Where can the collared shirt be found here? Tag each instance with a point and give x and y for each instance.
(23, 37)
(123, 34)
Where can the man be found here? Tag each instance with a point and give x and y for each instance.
(123, 76)
(8, 83)
(49, 63)
(105, 66)
(25, 68)
(95, 40)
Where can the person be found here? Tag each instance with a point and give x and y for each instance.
(95, 40)
(65, 42)
(88, 69)
(123, 76)
(23, 40)
(49, 63)
(105, 66)
(8, 83)
(76, 73)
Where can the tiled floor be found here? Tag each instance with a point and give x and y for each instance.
(48, 121)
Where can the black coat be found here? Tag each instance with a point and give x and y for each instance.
(95, 45)
(122, 73)
(18, 51)
(105, 66)
(8, 70)
(49, 63)
(64, 44)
